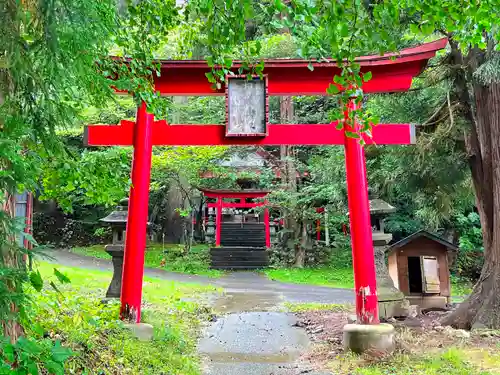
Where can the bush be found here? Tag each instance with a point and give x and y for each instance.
(31, 356)
(63, 231)
(470, 257)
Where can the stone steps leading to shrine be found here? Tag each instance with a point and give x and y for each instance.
(246, 234)
(238, 257)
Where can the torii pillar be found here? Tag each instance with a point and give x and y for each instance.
(135, 240)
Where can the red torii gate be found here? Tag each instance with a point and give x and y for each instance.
(390, 73)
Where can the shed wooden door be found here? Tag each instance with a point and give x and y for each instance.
(430, 275)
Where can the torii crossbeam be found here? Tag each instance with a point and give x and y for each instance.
(390, 73)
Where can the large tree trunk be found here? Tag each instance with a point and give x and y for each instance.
(482, 308)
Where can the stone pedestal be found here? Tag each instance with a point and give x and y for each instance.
(362, 337)
(273, 233)
(117, 253)
(391, 301)
(143, 331)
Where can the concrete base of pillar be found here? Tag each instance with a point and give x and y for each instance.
(359, 337)
(143, 331)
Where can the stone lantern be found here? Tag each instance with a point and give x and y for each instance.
(391, 300)
(117, 219)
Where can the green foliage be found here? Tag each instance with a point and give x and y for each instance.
(95, 177)
(63, 230)
(186, 163)
(470, 257)
(430, 182)
(30, 356)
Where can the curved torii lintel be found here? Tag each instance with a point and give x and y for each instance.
(390, 73)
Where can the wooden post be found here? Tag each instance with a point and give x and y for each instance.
(135, 242)
(327, 230)
(267, 225)
(218, 221)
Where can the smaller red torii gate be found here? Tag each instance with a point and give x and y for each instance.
(390, 73)
(241, 197)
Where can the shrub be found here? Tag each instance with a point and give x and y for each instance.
(63, 231)
(470, 257)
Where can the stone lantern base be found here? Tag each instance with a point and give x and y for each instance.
(117, 252)
(391, 301)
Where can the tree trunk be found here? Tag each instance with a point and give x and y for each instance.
(289, 182)
(482, 308)
(10, 257)
(300, 254)
(13, 260)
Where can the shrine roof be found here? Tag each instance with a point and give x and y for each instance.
(242, 191)
(233, 193)
(422, 233)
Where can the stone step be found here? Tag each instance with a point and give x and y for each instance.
(238, 248)
(230, 267)
(240, 258)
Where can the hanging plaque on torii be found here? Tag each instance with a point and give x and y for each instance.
(247, 124)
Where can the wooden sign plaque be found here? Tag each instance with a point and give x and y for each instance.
(246, 106)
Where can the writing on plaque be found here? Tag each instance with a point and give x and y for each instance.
(246, 107)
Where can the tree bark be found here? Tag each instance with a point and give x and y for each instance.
(289, 182)
(482, 308)
(10, 257)
(13, 260)
(300, 254)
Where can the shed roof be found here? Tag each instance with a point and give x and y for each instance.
(419, 234)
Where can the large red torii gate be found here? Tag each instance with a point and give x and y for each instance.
(390, 73)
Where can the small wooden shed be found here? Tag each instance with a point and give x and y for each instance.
(419, 267)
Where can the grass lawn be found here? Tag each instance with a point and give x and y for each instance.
(93, 331)
(313, 306)
(172, 259)
(325, 276)
(340, 278)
